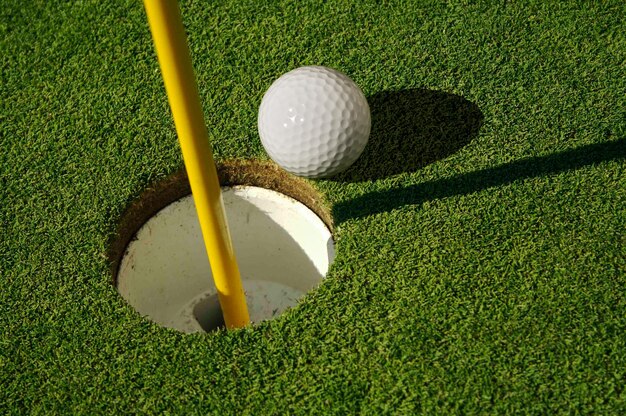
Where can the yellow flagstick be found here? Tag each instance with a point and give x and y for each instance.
(175, 61)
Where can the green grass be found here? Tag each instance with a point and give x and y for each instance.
(481, 249)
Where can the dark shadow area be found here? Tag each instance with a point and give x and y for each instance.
(209, 315)
(271, 256)
(383, 201)
(411, 129)
(270, 252)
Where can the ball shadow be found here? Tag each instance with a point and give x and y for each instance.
(411, 129)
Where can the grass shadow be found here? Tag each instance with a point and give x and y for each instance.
(468, 183)
(411, 129)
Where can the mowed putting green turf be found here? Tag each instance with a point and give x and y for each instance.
(481, 249)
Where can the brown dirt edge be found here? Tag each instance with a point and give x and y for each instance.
(234, 172)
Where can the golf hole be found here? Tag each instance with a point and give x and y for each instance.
(283, 250)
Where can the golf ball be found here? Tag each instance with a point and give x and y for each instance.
(314, 121)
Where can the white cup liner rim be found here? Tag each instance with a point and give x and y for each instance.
(283, 250)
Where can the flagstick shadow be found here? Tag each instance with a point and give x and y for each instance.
(378, 202)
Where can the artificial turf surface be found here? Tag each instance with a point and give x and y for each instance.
(481, 249)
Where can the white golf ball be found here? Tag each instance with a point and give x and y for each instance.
(314, 121)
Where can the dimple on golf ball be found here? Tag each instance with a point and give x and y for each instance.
(314, 121)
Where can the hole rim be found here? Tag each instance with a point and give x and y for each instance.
(160, 194)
